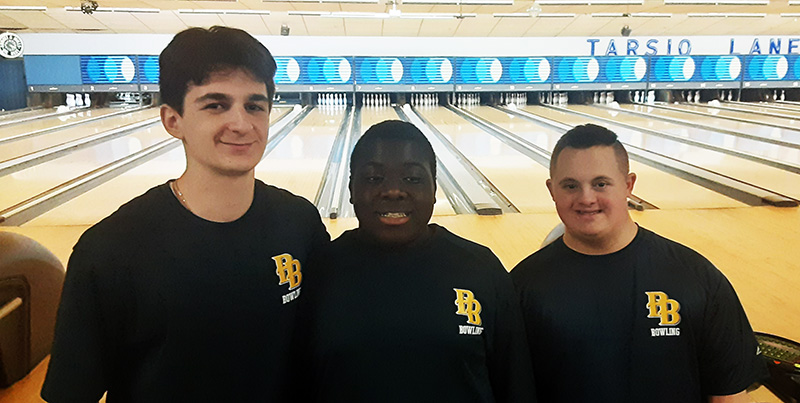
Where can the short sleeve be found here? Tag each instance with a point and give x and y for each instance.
(729, 359)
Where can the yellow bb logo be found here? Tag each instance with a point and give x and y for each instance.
(288, 270)
(468, 306)
(660, 306)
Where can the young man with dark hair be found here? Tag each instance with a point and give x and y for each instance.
(188, 292)
(404, 311)
(617, 313)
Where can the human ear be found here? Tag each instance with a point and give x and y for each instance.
(171, 120)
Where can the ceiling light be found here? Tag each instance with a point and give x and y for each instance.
(309, 13)
(589, 2)
(651, 15)
(795, 15)
(223, 12)
(727, 15)
(23, 8)
(463, 2)
(322, 1)
(117, 10)
(718, 2)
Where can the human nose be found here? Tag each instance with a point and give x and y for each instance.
(393, 189)
(587, 196)
(239, 120)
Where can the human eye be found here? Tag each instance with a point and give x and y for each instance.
(214, 106)
(602, 184)
(414, 180)
(256, 108)
(373, 179)
(569, 186)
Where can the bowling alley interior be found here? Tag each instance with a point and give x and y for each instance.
(704, 95)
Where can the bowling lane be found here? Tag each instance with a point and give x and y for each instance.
(791, 136)
(29, 145)
(650, 189)
(787, 120)
(660, 188)
(298, 162)
(34, 180)
(517, 176)
(48, 122)
(11, 115)
(96, 204)
(766, 150)
(792, 114)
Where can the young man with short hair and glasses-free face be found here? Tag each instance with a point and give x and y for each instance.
(189, 291)
(403, 310)
(617, 313)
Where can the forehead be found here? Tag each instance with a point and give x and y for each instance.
(587, 163)
(227, 81)
(394, 152)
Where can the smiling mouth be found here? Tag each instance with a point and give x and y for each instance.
(394, 218)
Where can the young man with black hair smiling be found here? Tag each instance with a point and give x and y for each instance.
(180, 295)
(405, 311)
(617, 313)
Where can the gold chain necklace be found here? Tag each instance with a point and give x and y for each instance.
(177, 192)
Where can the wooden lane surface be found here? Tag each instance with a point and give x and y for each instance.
(36, 143)
(660, 188)
(298, 162)
(36, 179)
(768, 177)
(98, 203)
(790, 118)
(518, 177)
(751, 146)
(753, 246)
(25, 114)
(49, 122)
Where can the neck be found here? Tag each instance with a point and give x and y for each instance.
(602, 245)
(217, 198)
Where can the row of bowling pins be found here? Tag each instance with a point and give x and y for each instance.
(554, 98)
(81, 100)
(516, 98)
(376, 100)
(332, 99)
(467, 99)
(424, 99)
(643, 96)
(729, 97)
(691, 96)
(781, 97)
(603, 97)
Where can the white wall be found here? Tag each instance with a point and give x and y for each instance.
(144, 44)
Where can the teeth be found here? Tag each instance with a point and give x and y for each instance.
(393, 215)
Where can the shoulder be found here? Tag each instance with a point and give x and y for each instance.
(677, 256)
(141, 213)
(282, 201)
(466, 249)
(554, 253)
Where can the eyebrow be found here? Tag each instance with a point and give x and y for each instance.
(217, 96)
(601, 177)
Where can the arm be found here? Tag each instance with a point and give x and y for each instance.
(510, 368)
(77, 369)
(741, 397)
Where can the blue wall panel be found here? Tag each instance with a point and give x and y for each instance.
(695, 68)
(108, 70)
(502, 70)
(53, 70)
(314, 70)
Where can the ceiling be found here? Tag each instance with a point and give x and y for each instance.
(765, 19)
